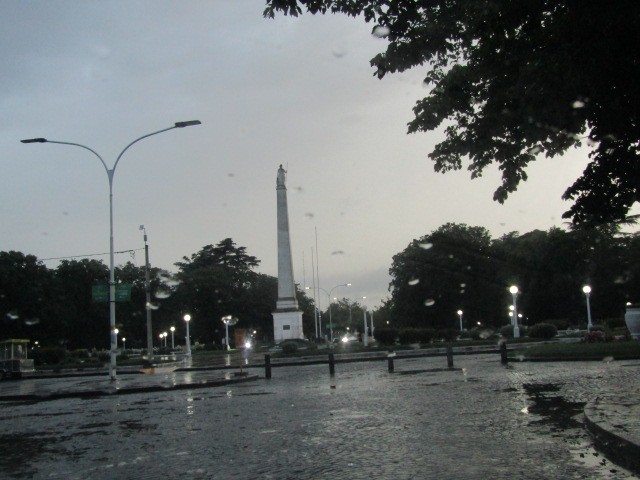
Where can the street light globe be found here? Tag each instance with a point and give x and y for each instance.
(459, 312)
(187, 317)
(173, 329)
(513, 289)
(586, 289)
(116, 331)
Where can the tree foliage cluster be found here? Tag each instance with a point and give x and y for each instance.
(511, 81)
(460, 267)
(55, 306)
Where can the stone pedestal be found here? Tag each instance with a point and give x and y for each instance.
(287, 325)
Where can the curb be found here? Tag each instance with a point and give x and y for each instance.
(620, 450)
(108, 392)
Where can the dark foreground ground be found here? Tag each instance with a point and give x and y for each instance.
(480, 420)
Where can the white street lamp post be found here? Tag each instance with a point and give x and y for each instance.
(365, 339)
(460, 315)
(147, 290)
(228, 320)
(514, 294)
(124, 344)
(116, 332)
(110, 174)
(330, 320)
(187, 318)
(587, 291)
(173, 345)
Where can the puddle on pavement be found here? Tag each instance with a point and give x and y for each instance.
(564, 419)
(15, 448)
(554, 410)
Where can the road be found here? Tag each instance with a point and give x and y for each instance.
(479, 420)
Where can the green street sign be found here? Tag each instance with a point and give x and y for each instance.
(123, 292)
(100, 293)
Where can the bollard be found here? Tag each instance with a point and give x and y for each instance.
(449, 356)
(267, 366)
(503, 353)
(332, 365)
(390, 362)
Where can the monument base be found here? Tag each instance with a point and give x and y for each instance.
(287, 325)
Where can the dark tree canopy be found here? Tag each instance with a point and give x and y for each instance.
(514, 80)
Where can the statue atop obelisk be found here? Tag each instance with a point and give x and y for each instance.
(287, 319)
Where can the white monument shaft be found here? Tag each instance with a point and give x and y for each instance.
(287, 319)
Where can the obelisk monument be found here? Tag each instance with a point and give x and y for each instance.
(287, 319)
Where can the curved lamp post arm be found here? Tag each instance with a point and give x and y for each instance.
(176, 125)
(44, 140)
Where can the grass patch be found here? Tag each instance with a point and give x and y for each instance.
(579, 351)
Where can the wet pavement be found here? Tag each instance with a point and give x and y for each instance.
(524, 421)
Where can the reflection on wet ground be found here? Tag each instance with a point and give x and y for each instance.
(521, 422)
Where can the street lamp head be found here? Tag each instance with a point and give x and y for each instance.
(187, 123)
(124, 339)
(34, 140)
(586, 289)
(513, 289)
(459, 312)
(187, 317)
(173, 329)
(116, 331)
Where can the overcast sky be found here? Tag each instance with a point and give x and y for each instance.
(296, 91)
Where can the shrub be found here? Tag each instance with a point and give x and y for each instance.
(289, 347)
(447, 334)
(507, 331)
(386, 336)
(543, 330)
(594, 336)
(80, 353)
(426, 335)
(49, 355)
(409, 335)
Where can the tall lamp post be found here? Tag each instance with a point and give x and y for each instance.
(187, 318)
(173, 329)
(124, 344)
(330, 320)
(587, 292)
(110, 174)
(228, 320)
(514, 293)
(460, 315)
(147, 290)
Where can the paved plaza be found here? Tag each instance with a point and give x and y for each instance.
(479, 420)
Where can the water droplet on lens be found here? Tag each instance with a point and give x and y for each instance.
(535, 150)
(12, 316)
(429, 302)
(32, 321)
(578, 104)
(414, 281)
(381, 31)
